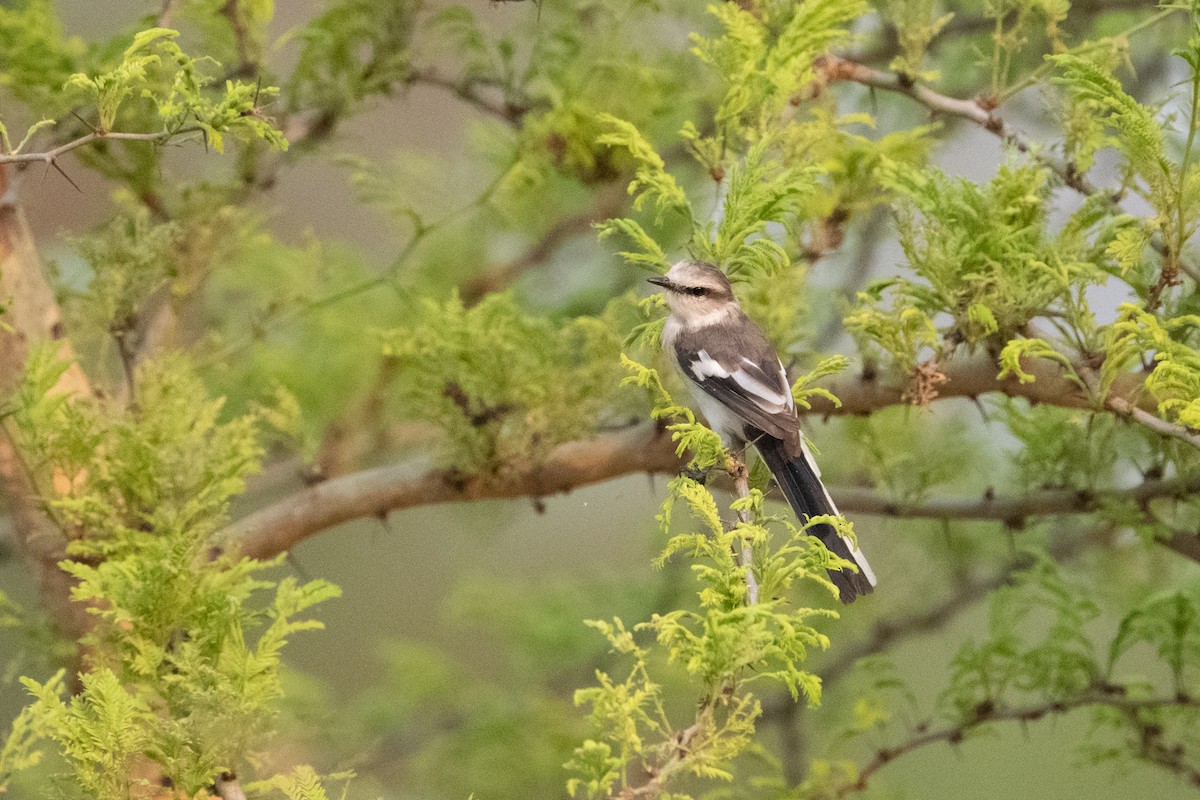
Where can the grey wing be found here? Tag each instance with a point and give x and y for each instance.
(756, 390)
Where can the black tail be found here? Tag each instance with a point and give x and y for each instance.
(797, 477)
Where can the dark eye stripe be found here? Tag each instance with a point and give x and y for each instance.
(695, 291)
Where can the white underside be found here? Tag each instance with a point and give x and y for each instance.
(730, 427)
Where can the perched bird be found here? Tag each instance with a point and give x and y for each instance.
(743, 391)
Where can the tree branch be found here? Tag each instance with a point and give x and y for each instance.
(887, 632)
(607, 203)
(376, 492)
(33, 316)
(1014, 511)
(49, 157)
(1157, 424)
(836, 68)
(468, 90)
(980, 112)
(277, 528)
(953, 734)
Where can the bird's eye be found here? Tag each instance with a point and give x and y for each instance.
(696, 291)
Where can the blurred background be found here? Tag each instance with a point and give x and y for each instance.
(448, 666)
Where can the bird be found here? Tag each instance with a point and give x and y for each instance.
(742, 389)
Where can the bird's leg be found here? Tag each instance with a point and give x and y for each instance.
(741, 484)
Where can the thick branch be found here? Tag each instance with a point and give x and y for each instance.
(277, 528)
(375, 492)
(32, 316)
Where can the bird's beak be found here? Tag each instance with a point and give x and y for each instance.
(663, 281)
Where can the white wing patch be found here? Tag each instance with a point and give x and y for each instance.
(705, 366)
(787, 387)
(770, 400)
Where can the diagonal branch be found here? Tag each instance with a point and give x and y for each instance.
(978, 111)
(953, 734)
(469, 90)
(1157, 424)
(887, 632)
(375, 492)
(836, 68)
(607, 203)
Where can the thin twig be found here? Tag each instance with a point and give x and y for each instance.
(50, 156)
(1014, 511)
(1101, 696)
(468, 90)
(741, 487)
(836, 68)
(1156, 424)
(607, 203)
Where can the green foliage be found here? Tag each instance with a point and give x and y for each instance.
(20, 749)
(901, 328)
(690, 437)
(1017, 350)
(651, 180)
(355, 49)
(802, 388)
(185, 652)
(984, 256)
(131, 259)
(1137, 133)
(154, 67)
(1061, 447)
(767, 176)
(1170, 624)
(917, 24)
(1038, 647)
(37, 58)
(765, 56)
(745, 150)
(503, 385)
(102, 731)
(848, 163)
(723, 646)
(303, 783)
(1139, 336)
(759, 191)
(1013, 29)
(908, 456)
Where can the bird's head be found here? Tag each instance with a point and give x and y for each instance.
(695, 290)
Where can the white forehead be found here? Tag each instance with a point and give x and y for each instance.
(689, 272)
